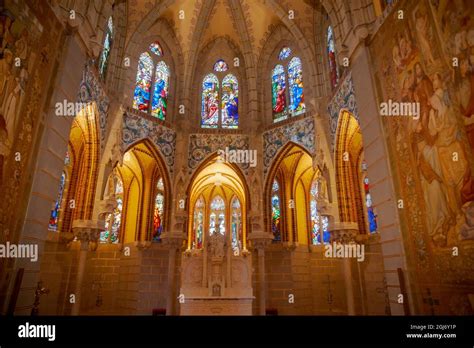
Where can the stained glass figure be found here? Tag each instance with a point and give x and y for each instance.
(372, 217)
(158, 212)
(221, 66)
(217, 217)
(155, 48)
(276, 211)
(295, 81)
(114, 219)
(279, 94)
(331, 48)
(319, 224)
(284, 53)
(141, 96)
(230, 102)
(236, 226)
(210, 102)
(198, 228)
(159, 102)
(105, 54)
(54, 217)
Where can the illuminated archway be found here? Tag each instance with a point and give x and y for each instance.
(288, 196)
(355, 203)
(214, 191)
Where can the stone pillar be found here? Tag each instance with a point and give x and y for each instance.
(346, 233)
(174, 243)
(259, 241)
(87, 233)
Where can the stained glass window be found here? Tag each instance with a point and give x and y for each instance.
(104, 56)
(156, 48)
(54, 217)
(114, 219)
(295, 82)
(372, 217)
(158, 211)
(141, 97)
(333, 68)
(160, 91)
(279, 94)
(236, 226)
(217, 216)
(318, 223)
(276, 211)
(284, 53)
(198, 228)
(230, 102)
(210, 102)
(221, 66)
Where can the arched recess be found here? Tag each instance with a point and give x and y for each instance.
(216, 178)
(141, 170)
(293, 170)
(351, 180)
(81, 169)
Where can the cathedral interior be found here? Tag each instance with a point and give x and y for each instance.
(237, 157)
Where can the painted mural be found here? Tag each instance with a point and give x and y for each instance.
(29, 34)
(430, 62)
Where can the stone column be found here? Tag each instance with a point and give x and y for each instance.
(87, 233)
(174, 243)
(259, 241)
(346, 233)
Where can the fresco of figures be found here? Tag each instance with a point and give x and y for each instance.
(430, 61)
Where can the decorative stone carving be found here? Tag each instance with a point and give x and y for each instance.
(216, 246)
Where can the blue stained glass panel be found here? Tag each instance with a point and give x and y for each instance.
(210, 102)
(159, 103)
(279, 94)
(141, 96)
(295, 81)
(230, 102)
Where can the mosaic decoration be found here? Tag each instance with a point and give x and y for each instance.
(221, 66)
(230, 102)
(284, 53)
(90, 90)
(344, 98)
(295, 82)
(159, 104)
(201, 145)
(300, 132)
(136, 128)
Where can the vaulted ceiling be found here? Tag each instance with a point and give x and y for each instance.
(246, 23)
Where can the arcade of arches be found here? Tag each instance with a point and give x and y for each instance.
(219, 157)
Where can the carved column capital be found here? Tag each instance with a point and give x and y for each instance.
(87, 232)
(174, 241)
(260, 240)
(344, 232)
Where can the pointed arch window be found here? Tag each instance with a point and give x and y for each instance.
(198, 227)
(291, 76)
(236, 225)
(158, 211)
(331, 51)
(113, 220)
(212, 97)
(217, 216)
(276, 211)
(54, 216)
(152, 83)
(319, 224)
(105, 54)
